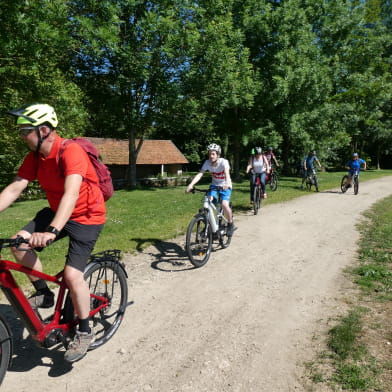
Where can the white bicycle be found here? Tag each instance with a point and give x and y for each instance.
(208, 225)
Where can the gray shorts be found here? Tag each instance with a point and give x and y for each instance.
(82, 238)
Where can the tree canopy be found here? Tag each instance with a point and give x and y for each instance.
(292, 74)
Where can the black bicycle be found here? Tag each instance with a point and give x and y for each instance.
(354, 183)
(257, 195)
(272, 179)
(312, 180)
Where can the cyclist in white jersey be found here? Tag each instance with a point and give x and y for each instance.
(220, 172)
(259, 166)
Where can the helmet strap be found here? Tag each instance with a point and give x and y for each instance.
(41, 139)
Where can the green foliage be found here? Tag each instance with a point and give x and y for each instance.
(292, 74)
(375, 272)
(343, 338)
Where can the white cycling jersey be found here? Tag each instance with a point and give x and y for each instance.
(258, 165)
(218, 171)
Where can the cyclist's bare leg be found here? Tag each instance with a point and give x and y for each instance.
(349, 179)
(79, 290)
(27, 258)
(227, 211)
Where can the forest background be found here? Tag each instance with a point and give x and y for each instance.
(295, 75)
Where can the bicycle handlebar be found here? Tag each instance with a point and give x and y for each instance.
(218, 188)
(16, 243)
(12, 242)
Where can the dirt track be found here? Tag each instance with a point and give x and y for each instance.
(244, 322)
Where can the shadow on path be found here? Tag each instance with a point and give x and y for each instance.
(27, 354)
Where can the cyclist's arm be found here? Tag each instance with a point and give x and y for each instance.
(364, 166)
(250, 165)
(11, 192)
(318, 162)
(195, 180)
(267, 165)
(67, 204)
(228, 177)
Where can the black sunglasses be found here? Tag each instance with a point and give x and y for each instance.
(24, 131)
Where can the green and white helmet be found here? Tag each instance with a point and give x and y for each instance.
(35, 114)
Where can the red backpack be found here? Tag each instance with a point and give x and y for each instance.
(103, 173)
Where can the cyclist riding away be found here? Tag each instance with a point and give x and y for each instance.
(220, 171)
(76, 209)
(260, 167)
(354, 165)
(308, 164)
(271, 158)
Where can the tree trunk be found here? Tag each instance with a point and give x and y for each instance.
(133, 153)
(236, 132)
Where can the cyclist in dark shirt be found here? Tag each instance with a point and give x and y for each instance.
(308, 164)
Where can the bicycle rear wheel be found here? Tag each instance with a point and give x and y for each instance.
(106, 278)
(343, 183)
(274, 182)
(225, 239)
(5, 348)
(356, 185)
(199, 241)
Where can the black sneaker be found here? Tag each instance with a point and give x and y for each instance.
(42, 300)
(230, 229)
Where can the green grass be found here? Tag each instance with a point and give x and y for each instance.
(138, 218)
(353, 368)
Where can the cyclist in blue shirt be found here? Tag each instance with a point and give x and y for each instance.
(354, 165)
(308, 164)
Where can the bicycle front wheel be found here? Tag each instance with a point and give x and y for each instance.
(199, 241)
(308, 183)
(315, 182)
(356, 185)
(5, 348)
(256, 200)
(274, 182)
(343, 183)
(107, 279)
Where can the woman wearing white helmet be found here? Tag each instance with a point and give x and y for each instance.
(221, 181)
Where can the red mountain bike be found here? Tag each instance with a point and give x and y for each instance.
(107, 280)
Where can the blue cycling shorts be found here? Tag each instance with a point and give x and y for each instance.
(223, 194)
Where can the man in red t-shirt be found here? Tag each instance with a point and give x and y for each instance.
(76, 209)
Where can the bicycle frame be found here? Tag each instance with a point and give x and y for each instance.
(355, 175)
(45, 332)
(214, 214)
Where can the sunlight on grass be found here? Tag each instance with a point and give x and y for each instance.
(138, 218)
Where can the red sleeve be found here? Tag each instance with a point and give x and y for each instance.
(29, 167)
(74, 160)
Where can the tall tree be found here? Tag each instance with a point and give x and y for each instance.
(133, 56)
(35, 48)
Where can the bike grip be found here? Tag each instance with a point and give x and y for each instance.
(48, 242)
